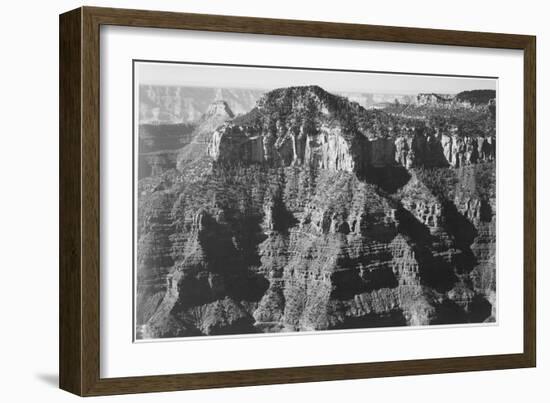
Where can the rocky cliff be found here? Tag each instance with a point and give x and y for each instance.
(217, 113)
(301, 217)
(307, 125)
(167, 146)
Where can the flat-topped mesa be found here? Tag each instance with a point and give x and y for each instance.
(466, 99)
(434, 99)
(297, 126)
(309, 126)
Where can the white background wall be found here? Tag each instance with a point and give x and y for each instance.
(29, 198)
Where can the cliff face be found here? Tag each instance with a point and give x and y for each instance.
(282, 229)
(305, 250)
(163, 147)
(216, 114)
(310, 126)
(300, 125)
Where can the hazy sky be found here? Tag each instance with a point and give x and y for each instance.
(270, 78)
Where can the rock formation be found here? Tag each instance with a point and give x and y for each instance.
(468, 99)
(286, 230)
(325, 131)
(163, 147)
(217, 113)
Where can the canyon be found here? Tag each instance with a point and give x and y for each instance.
(309, 213)
(174, 104)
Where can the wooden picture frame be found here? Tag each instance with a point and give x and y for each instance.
(79, 348)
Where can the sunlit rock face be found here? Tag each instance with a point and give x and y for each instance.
(300, 216)
(308, 126)
(296, 126)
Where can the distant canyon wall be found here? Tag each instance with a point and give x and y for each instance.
(160, 104)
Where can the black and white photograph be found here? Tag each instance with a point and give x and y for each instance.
(278, 199)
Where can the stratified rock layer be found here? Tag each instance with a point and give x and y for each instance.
(288, 249)
(296, 217)
(308, 126)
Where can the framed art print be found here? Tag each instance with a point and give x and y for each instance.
(249, 201)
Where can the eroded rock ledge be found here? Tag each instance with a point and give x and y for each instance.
(288, 249)
(325, 131)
